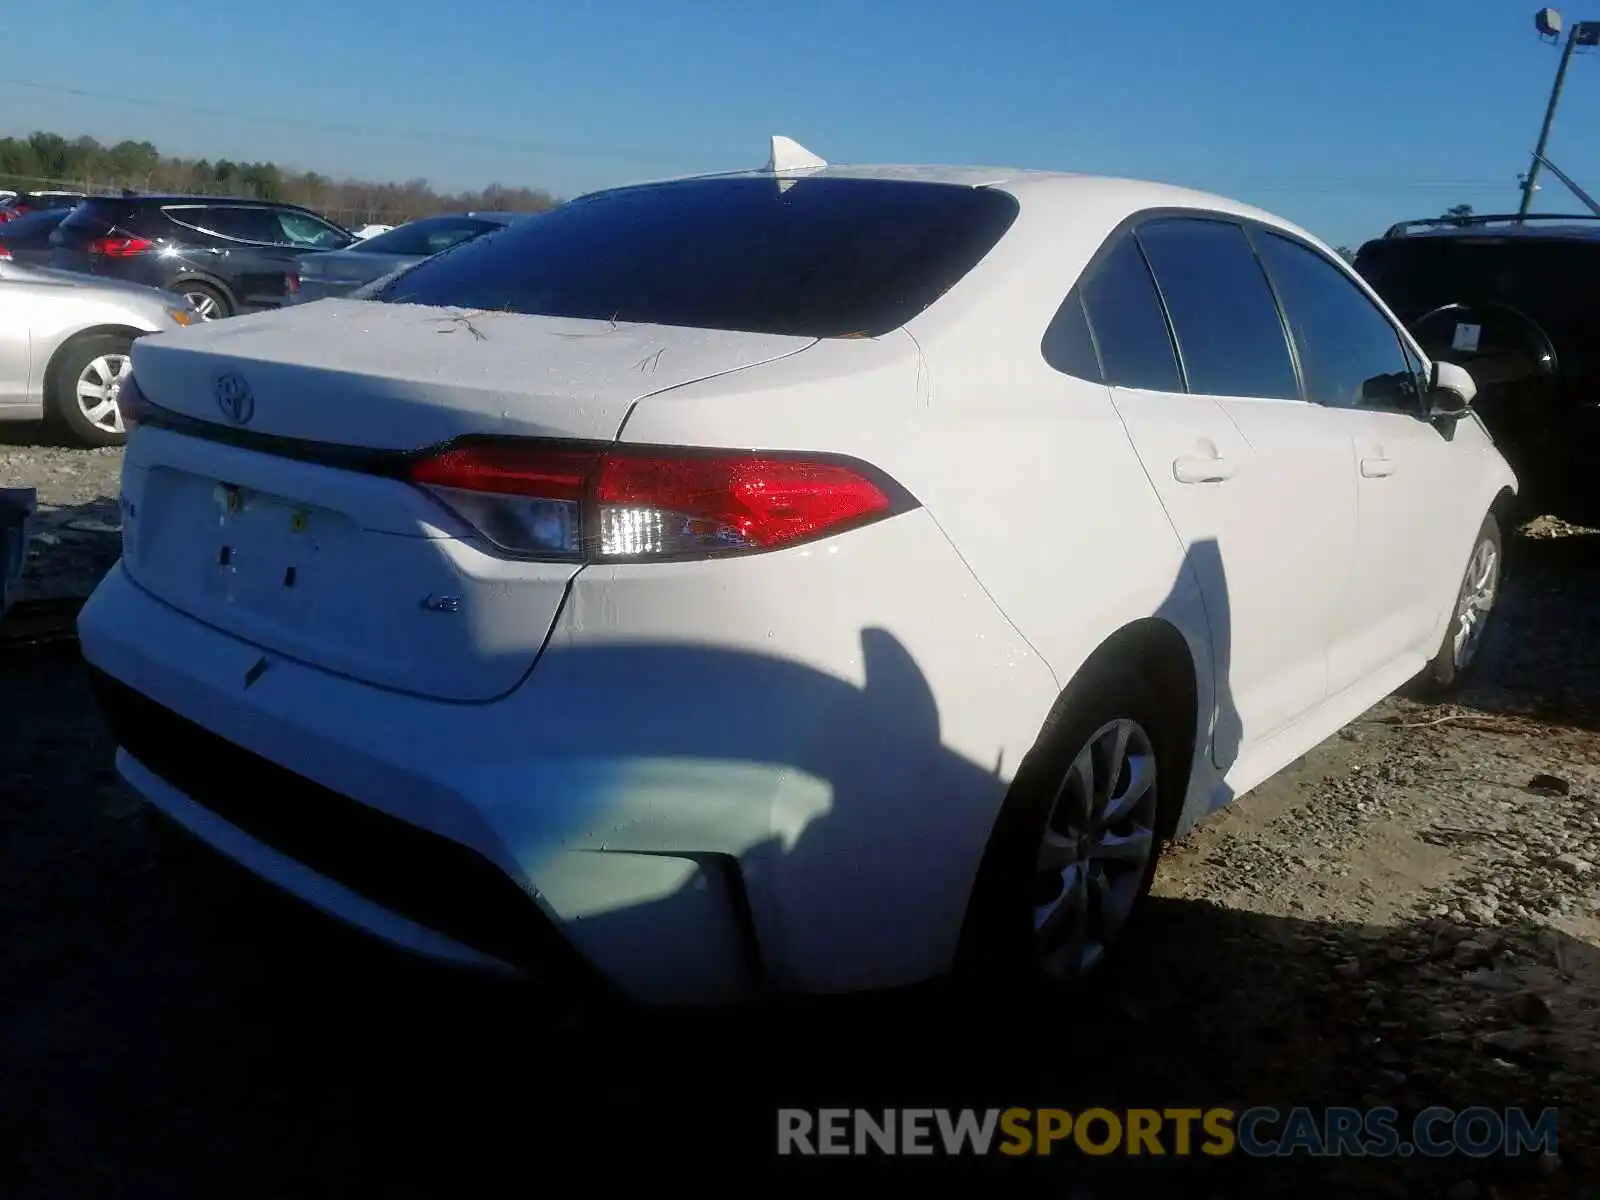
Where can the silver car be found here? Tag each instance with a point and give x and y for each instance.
(64, 343)
(340, 272)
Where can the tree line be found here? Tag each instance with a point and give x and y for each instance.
(43, 161)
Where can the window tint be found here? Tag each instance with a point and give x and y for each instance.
(302, 229)
(817, 257)
(241, 224)
(1068, 345)
(1350, 354)
(1128, 325)
(1223, 314)
(428, 236)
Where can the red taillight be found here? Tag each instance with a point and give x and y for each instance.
(4, 254)
(120, 247)
(291, 283)
(650, 504)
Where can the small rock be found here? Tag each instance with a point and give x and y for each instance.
(1375, 1006)
(1471, 953)
(1529, 1008)
(1490, 980)
(1444, 1020)
(1500, 1066)
(1573, 865)
(1512, 1041)
(1350, 969)
(1549, 785)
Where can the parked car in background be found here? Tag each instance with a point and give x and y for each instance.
(318, 276)
(23, 203)
(64, 342)
(1512, 299)
(223, 256)
(799, 580)
(26, 240)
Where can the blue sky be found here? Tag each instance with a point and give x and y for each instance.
(1343, 116)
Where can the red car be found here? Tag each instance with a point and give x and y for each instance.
(24, 203)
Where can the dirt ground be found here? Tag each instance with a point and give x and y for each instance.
(1410, 917)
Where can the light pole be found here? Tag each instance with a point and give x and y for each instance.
(1584, 33)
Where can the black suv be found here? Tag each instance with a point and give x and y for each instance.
(1512, 299)
(225, 256)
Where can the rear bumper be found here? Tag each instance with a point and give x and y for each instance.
(700, 822)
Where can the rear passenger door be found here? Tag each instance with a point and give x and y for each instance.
(1256, 481)
(1358, 368)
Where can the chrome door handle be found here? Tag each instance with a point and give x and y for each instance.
(1204, 470)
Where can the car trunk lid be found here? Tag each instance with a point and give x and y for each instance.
(267, 527)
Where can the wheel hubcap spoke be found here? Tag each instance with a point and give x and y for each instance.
(1141, 776)
(1133, 848)
(1058, 852)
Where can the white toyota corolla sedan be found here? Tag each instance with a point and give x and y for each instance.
(795, 581)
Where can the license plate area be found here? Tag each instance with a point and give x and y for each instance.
(267, 553)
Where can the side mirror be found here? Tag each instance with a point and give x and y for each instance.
(1451, 390)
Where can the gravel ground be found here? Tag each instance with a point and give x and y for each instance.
(1409, 918)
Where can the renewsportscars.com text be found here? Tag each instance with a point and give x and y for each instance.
(1176, 1132)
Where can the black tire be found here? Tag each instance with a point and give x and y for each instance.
(207, 299)
(997, 957)
(1449, 670)
(63, 411)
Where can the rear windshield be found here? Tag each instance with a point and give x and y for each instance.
(430, 235)
(817, 258)
(95, 216)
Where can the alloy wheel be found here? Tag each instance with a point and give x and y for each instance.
(1096, 850)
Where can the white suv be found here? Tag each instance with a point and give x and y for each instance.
(802, 580)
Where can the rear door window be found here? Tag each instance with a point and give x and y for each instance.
(1127, 324)
(1229, 331)
(821, 257)
(1350, 354)
(258, 225)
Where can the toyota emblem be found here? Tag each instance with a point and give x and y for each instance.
(235, 399)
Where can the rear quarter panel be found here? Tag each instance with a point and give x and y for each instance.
(1028, 473)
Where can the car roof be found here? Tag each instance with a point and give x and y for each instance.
(1539, 227)
(180, 198)
(1030, 185)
